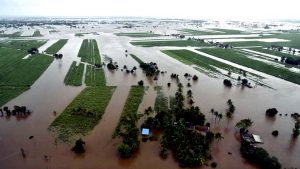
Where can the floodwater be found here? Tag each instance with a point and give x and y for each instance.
(49, 93)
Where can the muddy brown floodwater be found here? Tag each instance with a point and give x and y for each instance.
(49, 93)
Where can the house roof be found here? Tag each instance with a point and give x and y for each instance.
(145, 131)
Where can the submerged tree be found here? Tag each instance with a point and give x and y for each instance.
(79, 146)
(244, 123)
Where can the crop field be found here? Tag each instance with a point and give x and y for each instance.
(238, 58)
(19, 74)
(82, 114)
(179, 43)
(139, 34)
(74, 75)
(89, 52)
(94, 77)
(23, 44)
(56, 46)
(37, 33)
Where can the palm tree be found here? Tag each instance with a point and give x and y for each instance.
(216, 113)
(220, 116)
(189, 93)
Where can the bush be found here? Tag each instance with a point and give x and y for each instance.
(275, 133)
(141, 83)
(227, 83)
(271, 112)
(124, 150)
(214, 165)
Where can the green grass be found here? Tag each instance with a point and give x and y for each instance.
(179, 43)
(138, 34)
(9, 92)
(16, 71)
(276, 53)
(191, 58)
(161, 101)
(129, 113)
(17, 74)
(89, 52)
(136, 58)
(23, 44)
(37, 33)
(94, 77)
(92, 101)
(74, 75)
(13, 35)
(228, 31)
(203, 32)
(56, 46)
(292, 36)
(241, 59)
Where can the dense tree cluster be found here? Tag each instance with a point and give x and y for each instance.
(150, 69)
(271, 112)
(19, 111)
(227, 83)
(190, 147)
(259, 156)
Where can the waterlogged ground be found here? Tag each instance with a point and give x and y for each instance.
(49, 93)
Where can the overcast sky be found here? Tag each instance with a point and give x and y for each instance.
(192, 9)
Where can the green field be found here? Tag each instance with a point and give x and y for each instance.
(56, 46)
(228, 31)
(136, 58)
(74, 75)
(138, 34)
(9, 92)
(89, 52)
(17, 74)
(13, 35)
(212, 32)
(276, 53)
(161, 101)
(129, 113)
(82, 114)
(23, 44)
(179, 43)
(205, 63)
(293, 37)
(37, 33)
(94, 77)
(241, 59)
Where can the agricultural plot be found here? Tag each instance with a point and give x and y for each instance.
(83, 114)
(56, 46)
(179, 43)
(23, 44)
(241, 59)
(74, 75)
(139, 34)
(89, 52)
(37, 33)
(94, 76)
(18, 74)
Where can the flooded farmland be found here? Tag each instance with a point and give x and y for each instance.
(49, 93)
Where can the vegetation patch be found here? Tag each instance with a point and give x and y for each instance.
(139, 34)
(179, 43)
(89, 52)
(136, 58)
(23, 44)
(241, 59)
(9, 92)
(161, 101)
(127, 125)
(18, 74)
(56, 46)
(83, 114)
(37, 33)
(74, 75)
(94, 76)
